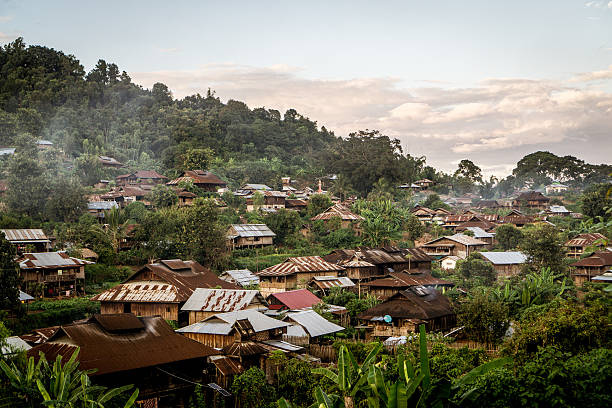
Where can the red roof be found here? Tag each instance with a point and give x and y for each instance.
(295, 299)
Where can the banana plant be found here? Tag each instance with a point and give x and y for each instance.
(322, 400)
(465, 385)
(351, 378)
(22, 382)
(413, 385)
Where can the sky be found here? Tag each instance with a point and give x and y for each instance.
(489, 81)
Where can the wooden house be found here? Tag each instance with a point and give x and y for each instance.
(424, 214)
(124, 195)
(124, 349)
(385, 259)
(459, 245)
(99, 208)
(424, 184)
(295, 273)
(487, 237)
(296, 204)
(348, 219)
(586, 268)
(140, 177)
(249, 236)
(57, 273)
(205, 302)
(506, 264)
(556, 188)
(307, 326)
(395, 282)
(324, 284)
(24, 239)
(578, 245)
(185, 198)
(159, 289)
(408, 309)
(224, 329)
(205, 180)
(531, 199)
(272, 200)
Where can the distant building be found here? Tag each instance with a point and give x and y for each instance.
(107, 161)
(395, 282)
(57, 273)
(23, 238)
(272, 200)
(249, 236)
(578, 245)
(205, 180)
(506, 264)
(241, 277)
(44, 144)
(459, 245)
(556, 188)
(531, 199)
(99, 208)
(585, 269)
(205, 302)
(140, 177)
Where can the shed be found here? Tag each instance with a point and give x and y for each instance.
(250, 236)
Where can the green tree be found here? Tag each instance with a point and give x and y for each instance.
(197, 159)
(474, 267)
(484, 320)
(317, 204)
(66, 201)
(252, 389)
(508, 236)
(162, 196)
(543, 245)
(9, 276)
(596, 200)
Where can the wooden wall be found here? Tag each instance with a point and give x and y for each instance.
(168, 311)
(213, 340)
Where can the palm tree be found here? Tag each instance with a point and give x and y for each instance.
(115, 228)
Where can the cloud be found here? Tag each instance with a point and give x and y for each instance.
(7, 37)
(598, 4)
(5, 19)
(498, 120)
(168, 50)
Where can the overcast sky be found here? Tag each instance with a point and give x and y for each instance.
(451, 79)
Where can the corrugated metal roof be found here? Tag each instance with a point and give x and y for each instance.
(7, 151)
(252, 230)
(480, 233)
(222, 300)
(173, 284)
(315, 324)
(49, 260)
(459, 238)
(198, 177)
(257, 187)
(24, 296)
(338, 210)
(558, 209)
(403, 280)
(583, 240)
(505, 258)
(283, 345)
(156, 343)
(599, 259)
(25, 235)
(412, 303)
(14, 344)
(227, 366)
(295, 299)
(102, 205)
(243, 349)
(223, 323)
(326, 282)
(378, 256)
(300, 264)
(242, 277)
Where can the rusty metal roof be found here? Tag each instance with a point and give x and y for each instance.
(227, 366)
(459, 238)
(222, 300)
(338, 210)
(598, 259)
(532, 196)
(49, 260)
(114, 323)
(251, 230)
(19, 236)
(584, 240)
(413, 303)
(300, 264)
(243, 348)
(378, 256)
(404, 280)
(295, 299)
(174, 282)
(155, 344)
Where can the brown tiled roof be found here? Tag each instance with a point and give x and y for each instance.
(300, 264)
(338, 210)
(413, 303)
(199, 177)
(598, 259)
(583, 240)
(152, 343)
(404, 280)
(532, 196)
(175, 282)
(25, 235)
(377, 256)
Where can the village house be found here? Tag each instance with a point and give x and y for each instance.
(557, 211)
(53, 273)
(585, 269)
(487, 226)
(423, 184)
(159, 289)
(107, 161)
(459, 245)
(487, 205)
(140, 177)
(124, 349)
(516, 218)
(205, 180)
(271, 200)
(348, 219)
(395, 282)
(307, 327)
(296, 204)
(185, 198)
(249, 236)
(124, 195)
(578, 245)
(449, 262)
(531, 199)
(424, 214)
(251, 188)
(323, 284)
(506, 264)
(300, 300)
(385, 260)
(241, 277)
(487, 237)
(205, 302)
(99, 208)
(295, 273)
(407, 309)
(27, 239)
(556, 188)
